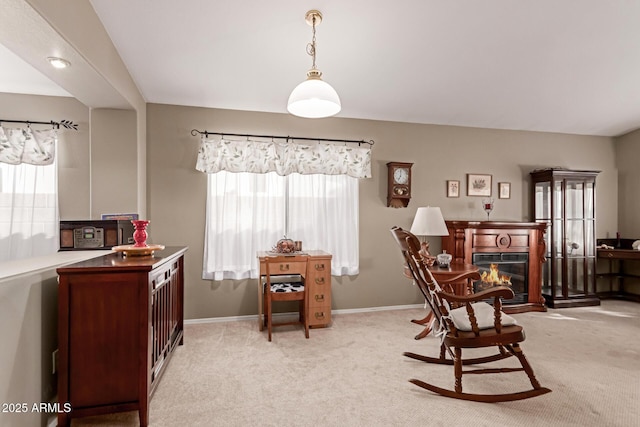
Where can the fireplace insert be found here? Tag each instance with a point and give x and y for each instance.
(504, 269)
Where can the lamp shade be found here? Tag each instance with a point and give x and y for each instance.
(314, 99)
(429, 222)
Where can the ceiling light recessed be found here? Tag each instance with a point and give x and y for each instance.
(58, 62)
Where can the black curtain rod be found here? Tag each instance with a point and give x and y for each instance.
(194, 132)
(65, 123)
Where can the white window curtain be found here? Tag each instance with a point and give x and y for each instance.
(248, 212)
(28, 193)
(308, 193)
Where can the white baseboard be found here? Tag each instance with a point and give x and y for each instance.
(333, 312)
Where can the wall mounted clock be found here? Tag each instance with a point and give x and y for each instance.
(398, 184)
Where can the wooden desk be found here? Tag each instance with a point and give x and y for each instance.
(616, 259)
(317, 283)
(458, 276)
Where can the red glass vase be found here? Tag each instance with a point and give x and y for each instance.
(140, 235)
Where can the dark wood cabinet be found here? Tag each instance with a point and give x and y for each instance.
(119, 320)
(565, 200)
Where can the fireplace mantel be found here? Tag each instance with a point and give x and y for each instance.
(468, 237)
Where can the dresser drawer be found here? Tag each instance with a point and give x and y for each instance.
(319, 316)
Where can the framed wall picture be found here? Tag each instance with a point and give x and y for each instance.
(504, 190)
(478, 185)
(453, 188)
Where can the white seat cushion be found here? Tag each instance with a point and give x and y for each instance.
(284, 283)
(484, 316)
(287, 287)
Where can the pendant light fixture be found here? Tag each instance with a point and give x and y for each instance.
(313, 98)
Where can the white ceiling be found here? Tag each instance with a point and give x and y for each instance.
(569, 66)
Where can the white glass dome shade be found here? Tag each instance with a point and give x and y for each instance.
(314, 98)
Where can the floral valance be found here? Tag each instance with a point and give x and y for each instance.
(35, 147)
(284, 158)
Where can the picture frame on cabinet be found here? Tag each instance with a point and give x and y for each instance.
(453, 188)
(478, 185)
(504, 190)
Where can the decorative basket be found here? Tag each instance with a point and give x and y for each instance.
(285, 246)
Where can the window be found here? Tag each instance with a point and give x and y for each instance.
(28, 210)
(249, 212)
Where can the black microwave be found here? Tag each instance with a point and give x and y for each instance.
(95, 234)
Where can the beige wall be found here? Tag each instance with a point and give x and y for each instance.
(97, 164)
(73, 146)
(29, 318)
(176, 191)
(113, 162)
(627, 155)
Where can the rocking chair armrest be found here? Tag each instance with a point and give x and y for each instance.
(466, 275)
(503, 292)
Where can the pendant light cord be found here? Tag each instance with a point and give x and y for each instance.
(311, 47)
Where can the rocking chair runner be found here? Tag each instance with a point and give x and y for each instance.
(475, 324)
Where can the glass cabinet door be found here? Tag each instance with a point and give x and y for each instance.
(565, 200)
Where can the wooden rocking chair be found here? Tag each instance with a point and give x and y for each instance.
(475, 324)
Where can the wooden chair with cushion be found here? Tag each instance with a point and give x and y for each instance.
(458, 283)
(292, 289)
(475, 324)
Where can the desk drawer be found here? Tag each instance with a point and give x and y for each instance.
(618, 254)
(318, 297)
(319, 316)
(318, 284)
(293, 267)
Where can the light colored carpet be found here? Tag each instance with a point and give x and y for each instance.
(354, 374)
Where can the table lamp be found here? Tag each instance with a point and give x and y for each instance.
(428, 222)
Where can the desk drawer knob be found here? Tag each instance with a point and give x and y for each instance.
(319, 298)
(284, 267)
(320, 267)
(320, 280)
(610, 255)
(319, 314)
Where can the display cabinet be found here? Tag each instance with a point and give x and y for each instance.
(565, 200)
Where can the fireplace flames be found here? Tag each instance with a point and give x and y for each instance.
(493, 277)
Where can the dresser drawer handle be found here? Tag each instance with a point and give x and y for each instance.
(319, 298)
(610, 255)
(320, 280)
(284, 267)
(320, 267)
(319, 314)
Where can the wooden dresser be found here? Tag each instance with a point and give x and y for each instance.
(119, 321)
(317, 283)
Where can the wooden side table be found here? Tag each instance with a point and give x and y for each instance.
(617, 273)
(458, 276)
